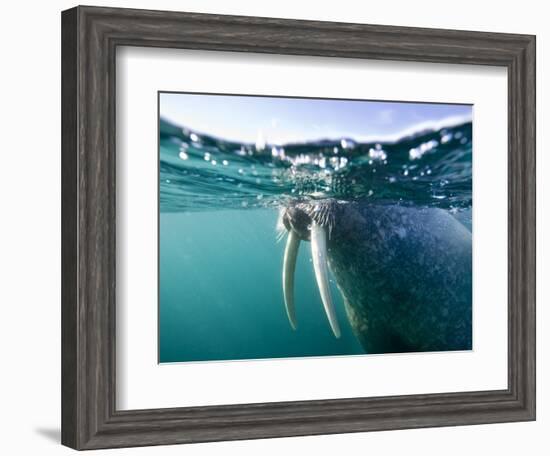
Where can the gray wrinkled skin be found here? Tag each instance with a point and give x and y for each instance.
(405, 274)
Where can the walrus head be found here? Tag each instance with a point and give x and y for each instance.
(309, 221)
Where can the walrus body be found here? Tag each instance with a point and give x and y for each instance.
(405, 274)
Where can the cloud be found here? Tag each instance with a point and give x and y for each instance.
(434, 125)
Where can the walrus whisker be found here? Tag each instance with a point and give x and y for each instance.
(280, 235)
(280, 228)
(320, 266)
(289, 267)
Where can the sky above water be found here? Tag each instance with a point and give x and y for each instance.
(276, 120)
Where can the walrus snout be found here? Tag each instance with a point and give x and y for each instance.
(297, 220)
(301, 216)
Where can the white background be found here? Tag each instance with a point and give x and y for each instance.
(144, 384)
(30, 239)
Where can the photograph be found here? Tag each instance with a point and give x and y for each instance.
(294, 227)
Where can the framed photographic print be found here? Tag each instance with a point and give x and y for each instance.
(279, 228)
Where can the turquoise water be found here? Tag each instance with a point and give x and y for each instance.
(220, 261)
(221, 294)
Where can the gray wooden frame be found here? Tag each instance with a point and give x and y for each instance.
(90, 36)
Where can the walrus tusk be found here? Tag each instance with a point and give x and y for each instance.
(289, 266)
(319, 255)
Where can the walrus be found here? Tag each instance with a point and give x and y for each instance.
(405, 273)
